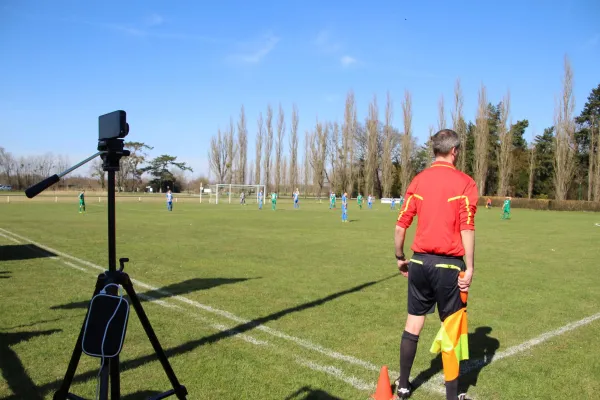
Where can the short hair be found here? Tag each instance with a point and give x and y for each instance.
(444, 141)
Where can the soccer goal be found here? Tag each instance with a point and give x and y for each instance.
(232, 193)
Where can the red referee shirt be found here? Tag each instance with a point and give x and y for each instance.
(445, 201)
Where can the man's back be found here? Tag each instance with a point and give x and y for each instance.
(445, 199)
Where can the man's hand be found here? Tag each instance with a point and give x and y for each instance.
(403, 267)
(465, 281)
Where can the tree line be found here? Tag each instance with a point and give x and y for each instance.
(163, 171)
(378, 157)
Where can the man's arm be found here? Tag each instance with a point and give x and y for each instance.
(467, 232)
(399, 237)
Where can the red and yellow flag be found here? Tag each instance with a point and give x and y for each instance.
(452, 341)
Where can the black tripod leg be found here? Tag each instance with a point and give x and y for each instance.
(104, 375)
(180, 390)
(61, 393)
(115, 380)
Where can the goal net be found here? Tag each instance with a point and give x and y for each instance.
(224, 193)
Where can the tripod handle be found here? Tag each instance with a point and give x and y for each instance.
(39, 187)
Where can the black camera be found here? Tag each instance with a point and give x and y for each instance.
(113, 125)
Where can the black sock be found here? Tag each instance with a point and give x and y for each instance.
(452, 389)
(408, 350)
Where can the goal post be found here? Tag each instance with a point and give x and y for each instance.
(232, 193)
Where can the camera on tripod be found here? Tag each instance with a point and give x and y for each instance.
(103, 330)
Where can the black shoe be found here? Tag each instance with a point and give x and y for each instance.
(402, 393)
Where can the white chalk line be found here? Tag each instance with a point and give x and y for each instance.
(330, 370)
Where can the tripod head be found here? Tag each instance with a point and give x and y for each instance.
(112, 128)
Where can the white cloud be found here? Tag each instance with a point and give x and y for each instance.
(347, 61)
(255, 52)
(154, 20)
(592, 42)
(326, 43)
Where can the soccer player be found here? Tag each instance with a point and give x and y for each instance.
(345, 207)
(273, 201)
(445, 201)
(243, 198)
(393, 205)
(296, 198)
(81, 201)
(401, 201)
(370, 201)
(332, 200)
(488, 203)
(359, 201)
(506, 208)
(169, 200)
(260, 200)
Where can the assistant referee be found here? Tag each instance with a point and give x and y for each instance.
(445, 201)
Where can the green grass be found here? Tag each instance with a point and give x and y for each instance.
(301, 273)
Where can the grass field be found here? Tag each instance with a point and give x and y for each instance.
(293, 304)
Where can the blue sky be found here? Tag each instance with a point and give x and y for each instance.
(181, 68)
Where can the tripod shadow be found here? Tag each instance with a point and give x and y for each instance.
(189, 286)
(16, 252)
(5, 274)
(308, 393)
(141, 395)
(177, 289)
(13, 371)
(216, 337)
(482, 349)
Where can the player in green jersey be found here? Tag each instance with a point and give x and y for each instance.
(273, 201)
(506, 208)
(359, 201)
(82, 201)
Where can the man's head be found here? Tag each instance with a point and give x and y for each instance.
(446, 145)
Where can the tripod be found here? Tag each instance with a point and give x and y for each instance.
(111, 150)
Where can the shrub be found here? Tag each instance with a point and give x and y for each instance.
(544, 204)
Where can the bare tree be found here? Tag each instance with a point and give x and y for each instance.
(7, 165)
(242, 148)
(441, 114)
(260, 133)
(231, 151)
(430, 146)
(372, 153)
(348, 133)
(482, 133)
(217, 157)
(407, 143)
(564, 140)
(294, 148)
(531, 157)
(319, 155)
(597, 158)
(268, 147)
(459, 126)
(279, 146)
(97, 171)
(387, 174)
(333, 153)
(284, 175)
(307, 162)
(506, 147)
(591, 177)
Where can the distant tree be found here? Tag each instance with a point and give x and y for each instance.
(407, 146)
(544, 164)
(217, 157)
(231, 147)
(160, 168)
(97, 171)
(589, 121)
(260, 134)
(279, 147)
(441, 114)
(372, 146)
(242, 144)
(459, 125)
(349, 133)
(387, 175)
(268, 147)
(294, 148)
(565, 146)
(482, 133)
(505, 162)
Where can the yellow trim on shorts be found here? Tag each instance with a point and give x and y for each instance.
(449, 266)
(416, 261)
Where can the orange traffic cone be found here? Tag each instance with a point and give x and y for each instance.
(384, 389)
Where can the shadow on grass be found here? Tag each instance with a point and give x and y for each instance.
(177, 289)
(13, 371)
(23, 252)
(141, 395)
(308, 393)
(4, 274)
(216, 337)
(482, 349)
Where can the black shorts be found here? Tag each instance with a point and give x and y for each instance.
(434, 279)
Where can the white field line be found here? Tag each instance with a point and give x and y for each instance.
(331, 370)
(10, 238)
